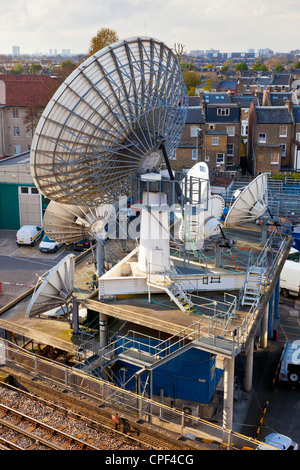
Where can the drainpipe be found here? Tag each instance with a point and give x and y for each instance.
(2, 130)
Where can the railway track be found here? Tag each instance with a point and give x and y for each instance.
(99, 431)
(21, 432)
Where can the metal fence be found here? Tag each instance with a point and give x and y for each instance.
(122, 400)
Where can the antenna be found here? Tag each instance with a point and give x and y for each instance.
(55, 290)
(106, 123)
(250, 204)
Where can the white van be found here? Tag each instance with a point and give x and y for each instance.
(290, 279)
(28, 235)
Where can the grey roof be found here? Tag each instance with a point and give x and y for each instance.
(263, 81)
(273, 115)
(215, 97)
(281, 79)
(279, 99)
(20, 159)
(194, 100)
(195, 115)
(244, 101)
(213, 116)
(228, 84)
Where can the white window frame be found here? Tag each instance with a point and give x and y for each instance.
(194, 154)
(215, 141)
(223, 111)
(262, 137)
(17, 149)
(273, 155)
(15, 113)
(298, 136)
(283, 150)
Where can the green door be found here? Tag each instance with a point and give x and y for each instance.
(9, 206)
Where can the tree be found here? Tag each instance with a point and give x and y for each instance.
(103, 38)
(192, 80)
(17, 69)
(35, 68)
(257, 67)
(241, 67)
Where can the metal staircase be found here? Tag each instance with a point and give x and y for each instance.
(253, 285)
(174, 291)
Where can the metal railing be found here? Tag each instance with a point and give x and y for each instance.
(106, 393)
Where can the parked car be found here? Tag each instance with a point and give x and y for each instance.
(49, 246)
(279, 441)
(82, 245)
(28, 235)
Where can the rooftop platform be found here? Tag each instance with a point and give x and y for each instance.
(161, 313)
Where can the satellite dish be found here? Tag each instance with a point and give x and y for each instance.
(107, 122)
(69, 223)
(251, 202)
(55, 290)
(205, 223)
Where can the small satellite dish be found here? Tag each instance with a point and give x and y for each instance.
(55, 290)
(206, 221)
(250, 204)
(107, 122)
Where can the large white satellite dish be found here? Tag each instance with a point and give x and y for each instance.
(107, 122)
(250, 204)
(55, 290)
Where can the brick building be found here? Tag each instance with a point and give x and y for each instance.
(270, 134)
(22, 98)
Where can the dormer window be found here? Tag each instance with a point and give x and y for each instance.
(223, 111)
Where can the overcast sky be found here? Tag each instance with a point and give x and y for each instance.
(226, 25)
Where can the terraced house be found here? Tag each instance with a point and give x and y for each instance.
(22, 97)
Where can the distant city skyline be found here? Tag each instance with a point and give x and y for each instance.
(237, 25)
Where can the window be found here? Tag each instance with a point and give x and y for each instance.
(215, 141)
(194, 154)
(220, 158)
(283, 131)
(28, 190)
(15, 113)
(223, 111)
(244, 129)
(230, 130)
(274, 158)
(230, 150)
(262, 138)
(298, 136)
(16, 131)
(211, 127)
(17, 149)
(283, 150)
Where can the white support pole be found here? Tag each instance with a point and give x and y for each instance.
(228, 394)
(249, 367)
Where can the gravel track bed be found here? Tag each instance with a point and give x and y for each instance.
(58, 420)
